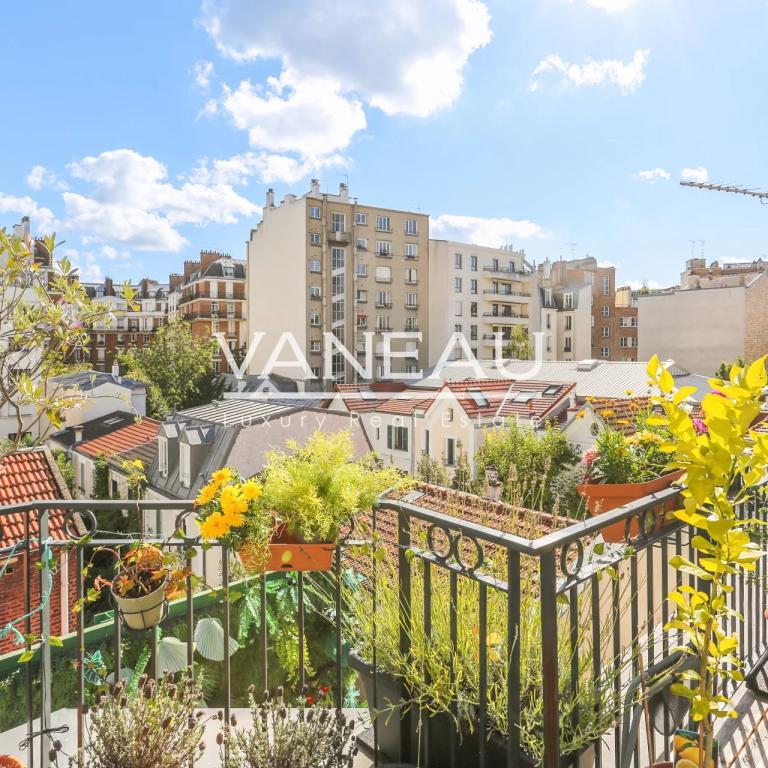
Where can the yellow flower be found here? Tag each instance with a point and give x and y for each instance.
(214, 527)
(250, 490)
(580, 415)
(234, 506)
(207, 494)
(221, 476)
(628, 393)
(608, 412)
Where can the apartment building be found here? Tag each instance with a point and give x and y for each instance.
(612, 313)
(717, 314)
(211, 296)
(327, 263)
(127, 327)
(479, 292)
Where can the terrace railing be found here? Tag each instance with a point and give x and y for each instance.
(598, 610)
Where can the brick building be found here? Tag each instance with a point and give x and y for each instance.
(128, 327)
(211, 296)
(26, 476)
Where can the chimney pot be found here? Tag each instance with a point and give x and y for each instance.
(315, 186)
(78, 429)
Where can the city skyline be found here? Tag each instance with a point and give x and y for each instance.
(559, 126)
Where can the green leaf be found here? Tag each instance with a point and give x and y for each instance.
(55, 641)
(26, 656)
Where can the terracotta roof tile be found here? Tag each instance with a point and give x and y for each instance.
(121, 440)
(29, 476)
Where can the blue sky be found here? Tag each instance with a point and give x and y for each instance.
(144, 132)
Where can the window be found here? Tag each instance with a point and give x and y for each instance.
(449, 415)
(383, 299)
(628, 322)
(568, 322)
(337, 314)
(473, 309)
(314, 345)
(606, 311)
(397, 438)
(411, 324)
(450, 451)
(338, 220)
(411, 277)
(162, 456)
(384, 274)
(337, 258)
(411, 300)
(316, 371)
(605, 331)
(361, 296)
(548, 297)
(411, 227)
(383, 224)
(383, 323)
(457, 260)
(314, 265)
(549, 321)
(411, 250)
(457, 285)
(567, 301)
(314, 238)
(458, 328)
(361, 219)
(184, 461)
(145, 338)
(473, 333)
(383, 248)
(605, 352)
(473, 286)
(314, 212)
(473, 263)
(458, 309)
(606, 285)
(362, 322)
(495, 265)
(567, 344)
(231, 309)
(314, 291)
(362, 270)
(361, 243)
(314, 319)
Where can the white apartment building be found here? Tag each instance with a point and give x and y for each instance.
(325, 263)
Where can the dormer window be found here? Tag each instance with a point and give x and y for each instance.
(229, 271)
(184, 465)
(162, 455)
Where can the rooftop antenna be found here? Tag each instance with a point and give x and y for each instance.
(572, 246)
(761, 196)
(702, 247)
(693, 248)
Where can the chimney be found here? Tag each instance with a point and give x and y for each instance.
(22, 230)
(78, 430)
(109, 288)
(270, 199)
(116, 371)
(207, 258)
(314, 187)
(344, 191)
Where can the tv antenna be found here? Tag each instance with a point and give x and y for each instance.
(735, 190)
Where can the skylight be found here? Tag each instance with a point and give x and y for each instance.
(523, 397)
(551, 389)
(479, 397)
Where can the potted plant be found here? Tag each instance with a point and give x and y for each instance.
(157, 725)
(725, 461)
(621, 469)
(289, 519)
(312, 737)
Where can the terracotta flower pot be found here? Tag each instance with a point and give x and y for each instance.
(8, 761)
(287, 553)
(146, 611)
(603, 497)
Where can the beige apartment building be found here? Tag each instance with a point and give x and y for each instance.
(327, 263)
(479, 292)
(718, 314)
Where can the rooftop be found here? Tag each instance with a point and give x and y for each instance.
(89, 380)
(121, 440)
(95, 428)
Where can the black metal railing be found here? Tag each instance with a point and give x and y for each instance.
(591, 612)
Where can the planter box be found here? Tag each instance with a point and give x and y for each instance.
(390, 724)
(287, 553)
(603, 497)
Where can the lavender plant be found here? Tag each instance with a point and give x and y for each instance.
(310, 737)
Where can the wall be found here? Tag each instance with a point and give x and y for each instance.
(697, 328)
(756, 319)
(103, 400)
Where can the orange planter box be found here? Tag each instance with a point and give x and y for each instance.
(287, 553)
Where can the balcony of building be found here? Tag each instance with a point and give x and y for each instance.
(507, 317)
(339, 236)
(535, 641)
(506, 294)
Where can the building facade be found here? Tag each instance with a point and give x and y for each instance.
(479, 292)
(718, 314)
(211, 296)
(325, 263)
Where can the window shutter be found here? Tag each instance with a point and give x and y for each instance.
(389, 436)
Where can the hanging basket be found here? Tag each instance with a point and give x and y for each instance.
(143, 612)
(287, 553)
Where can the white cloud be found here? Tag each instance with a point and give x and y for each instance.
(131, 202)
(700, 174)
(202, 71)
(628, 76)
(307, 116)
(399, 56)
(611, 6)
(636, 285)
(87, 265)
(605, 264)
(653, 175)
(480, 231)
(40, 177)
(42, 219)
(209, 109)
(266, 167)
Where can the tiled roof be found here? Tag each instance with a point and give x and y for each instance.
(146, 453)
(29, 476)
(121, 440)
(92, 429)
(364, 398)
